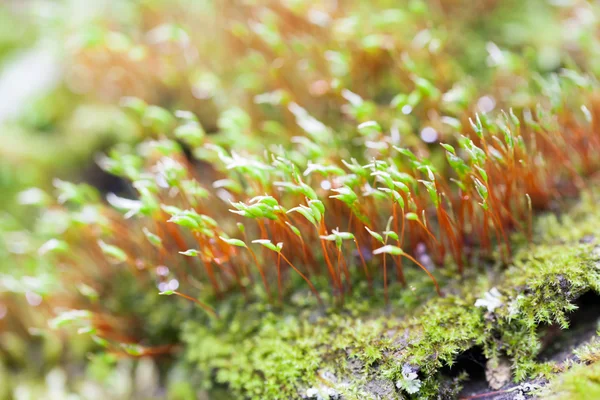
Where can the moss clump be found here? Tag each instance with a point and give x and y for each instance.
(270, 354)
(578, 383)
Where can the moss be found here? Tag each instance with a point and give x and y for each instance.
(578, 383)
(360, 351)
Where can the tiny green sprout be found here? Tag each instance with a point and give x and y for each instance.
(343, 235)
(457, 164)
(100, 341)
(294, 229)
(481, 189)
(88, 291)
(452, 122)
(203, 305)
(394, 195)
(171, 210)
(460, 184)
(388, 224)
(113, 252)
(69, 317)
(187, 116)
(76, 194)
(383, 177)
(193, 190)
(132, 349)
(413, 99)
(391, 234)
(324, 170)
(308, 191)
(241, 227)
(306, 212)
(330, 238)
(406, 152)
(53, 246)
(448, 148)
(369, 128)
(87, 330)
(411, 216)
(208, 221)
(157, 118)
(402, 186)
(155, 240)
(515, 120)
(426, 88)
(476, 126)
(191, 133)
(132, 207)
(389, 249)
(269, 245)
(137, 105)
(433, 193)
(228, 184)
(190, 253)
(315, 128)
(233, 242)
(356, 168)
(399, 101)
(394, 250)
(149, 202)
(318, 209)
(345, 194)
(483, 174)
(376, 235)
(184, 220)
(268, 200)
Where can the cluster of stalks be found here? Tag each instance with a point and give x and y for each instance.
(254, 223)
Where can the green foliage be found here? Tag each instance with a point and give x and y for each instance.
(578, 383)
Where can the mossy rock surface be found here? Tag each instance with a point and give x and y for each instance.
(411, 348)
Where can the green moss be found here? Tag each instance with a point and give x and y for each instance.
(578, 383)
(361, 350)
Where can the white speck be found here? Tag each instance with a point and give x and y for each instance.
(224, 195)
(48, 246)
(163, 286)
(173, 284)
(319, 17)
(496, 56)
(486, 104)
(325, 185)
(395, 134)
(429, 135)
(352, 97)
(33, 299)
(31, 73)
(491, 300)
(33, 196)
(406, 109)
(162, 270)
(410, 380)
